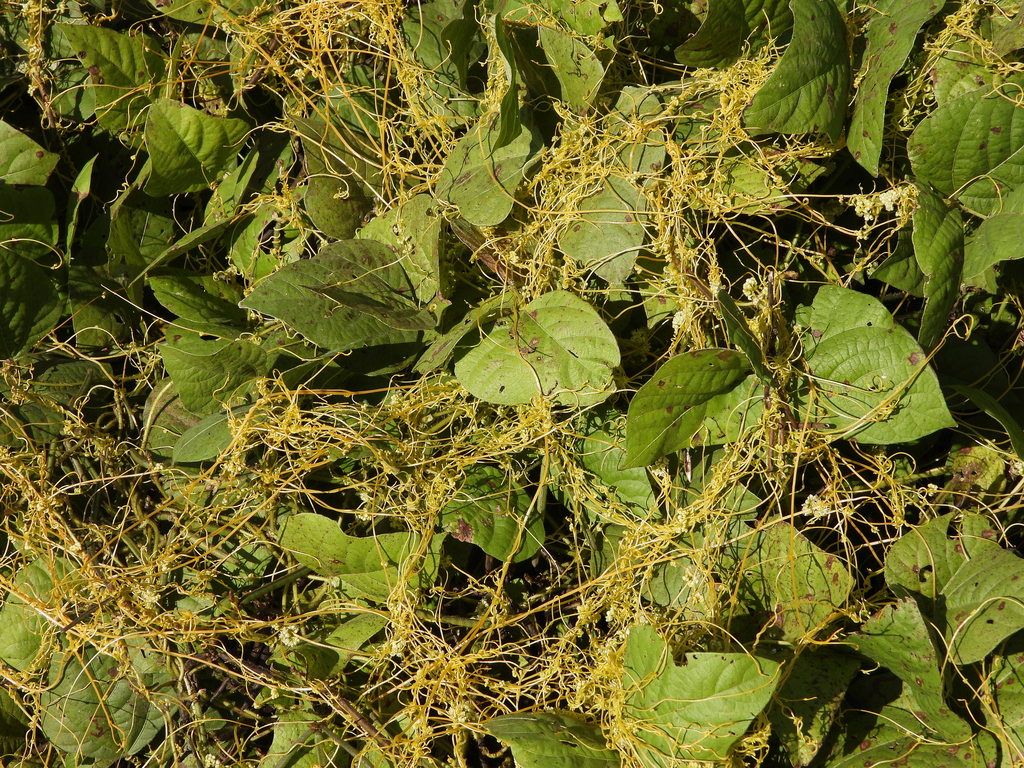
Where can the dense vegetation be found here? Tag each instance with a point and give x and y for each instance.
(578, 384)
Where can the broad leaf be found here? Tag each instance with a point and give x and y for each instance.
(971, 147)
(373, 564)
(890, 34)
(740, 334)
(808, 91)
(808, 701)
(667, 410)
(939, 248)
(210, 373)
(549, 740)
(898, 637)
(21, 624)
(28, 222)
(983, 603)
(29, 304)
(122, 69)
(730, 23)
(792, 588)
(481, 178)
(208, 438)
(489, 509)
(556, 345)
(22, 161)
(695, 711)
(998, 239)
(299, 294)
(871, 380)
(924, 560)
(576, 67)
(91, 709)
(190, 150)
(997, 411)
(607, 233)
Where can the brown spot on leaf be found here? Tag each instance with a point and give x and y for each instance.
(463, 531)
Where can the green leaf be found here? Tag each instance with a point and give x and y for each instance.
(741, 335)
(549, 740)
(791, 587)
(508, 113)
(901, 269)
(295, 294)
(939, 248)
(488, 311)
(91, 710)
(983, 603)
(556, 345)
(971, 147)
(39, 584)
(190, 301)
(890, 34)
(995, 409)
(871, 380)
(208, 374)
(28, 222)
(695, 711)
(341, 181)
(808, 701)
(601, 452)
(489, 511)
(79, 191)
(668, 409)
(372, 564)
(208, 438)
(607, 233)
(167, 419)
(300, 743)
(29, 305)
(998, 239)
(730, 414)
(22, 161)
(808, 91)
(13, 726)
(899, 639)
(730, 23)
(122, 68)
(924, 559)
(349, 637)
(576, 67)
(481, 177)
(190, 150)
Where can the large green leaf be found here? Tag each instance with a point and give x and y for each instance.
(481, 179)
(29, 304)
(697, 710)
(667, 410)
(898, 637)
(924, 559)
(808, 91)
(22, 161)
(299, 743)
(602, 452)
(871, 380)
(971, 147)
(808, 701)
(209, 373)
(791, 587)
(21, 623)
(983, 603)
(549, 740)
(578, 70)
(730, 23)
(607, 233)
(370, 564)
(190, 150)
(556, 345)
(28, 222)
(740, 334)
(998, 239)
(298, 295)
(92, 710)
(123, 69)
(939, 248)
(489, 510)
(890, 36)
